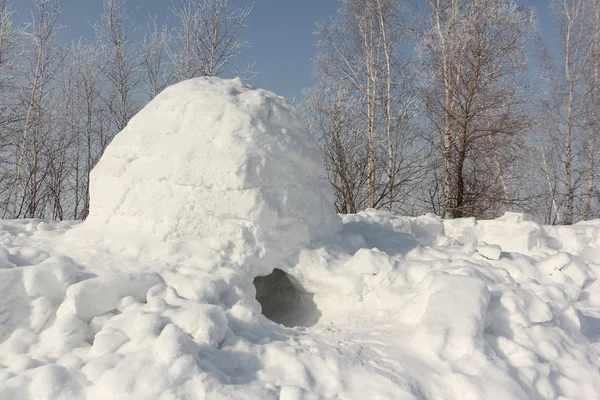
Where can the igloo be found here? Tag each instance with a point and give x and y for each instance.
(210, 157)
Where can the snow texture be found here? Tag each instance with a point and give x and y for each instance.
(212, 207)
(210, 157)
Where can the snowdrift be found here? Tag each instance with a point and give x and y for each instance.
(212, 267)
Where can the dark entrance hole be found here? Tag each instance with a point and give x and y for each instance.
(285, 301)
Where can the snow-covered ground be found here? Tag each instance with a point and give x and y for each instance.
(210, 207)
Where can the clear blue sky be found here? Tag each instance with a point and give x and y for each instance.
(280, 31)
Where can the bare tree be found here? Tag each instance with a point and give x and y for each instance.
(568, 108)
(335, 117)
(475, 61)
(154, 57)
(83, 91)
(388, 18)
(10, 44)
(123, 61)
(208, 39)
(577, 53)
(593, 123)
(11, 52)
(361, 57)
(43, 59)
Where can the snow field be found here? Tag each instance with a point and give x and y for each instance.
(210, 208)
(420, 322)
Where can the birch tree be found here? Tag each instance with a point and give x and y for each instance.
(360, 55)
(474, 58)
(87, 87)
(577, 53)
(569, 107)
(43, 60)
(592, 80)
(10, 40)
(11, 52)
(208, 38)
(154, 58)
(122, 69)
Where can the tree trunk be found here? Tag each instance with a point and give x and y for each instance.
(552, 191)
(458, 211)
(388, 105)
(570, 203)
(587, 210)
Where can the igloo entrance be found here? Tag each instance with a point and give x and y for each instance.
(285, 301)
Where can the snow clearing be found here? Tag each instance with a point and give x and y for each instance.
(212, 266)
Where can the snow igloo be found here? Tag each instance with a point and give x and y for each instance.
(210, 157)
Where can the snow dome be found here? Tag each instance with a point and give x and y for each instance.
(215, 158)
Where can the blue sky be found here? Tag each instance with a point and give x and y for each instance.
(280, 31)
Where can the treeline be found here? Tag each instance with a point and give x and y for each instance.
(457, 107)
(62, 103)
(460, 107)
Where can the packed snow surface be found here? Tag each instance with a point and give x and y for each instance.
(212, 207)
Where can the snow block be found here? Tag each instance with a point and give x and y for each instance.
(571, 266)
(425, 229)
(513, 232)
(453, 322)
(489, 251)
(97, 296)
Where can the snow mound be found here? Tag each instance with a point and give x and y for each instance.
(214, 158)
(380, 315)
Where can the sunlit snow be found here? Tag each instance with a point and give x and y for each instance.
(213, 202)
